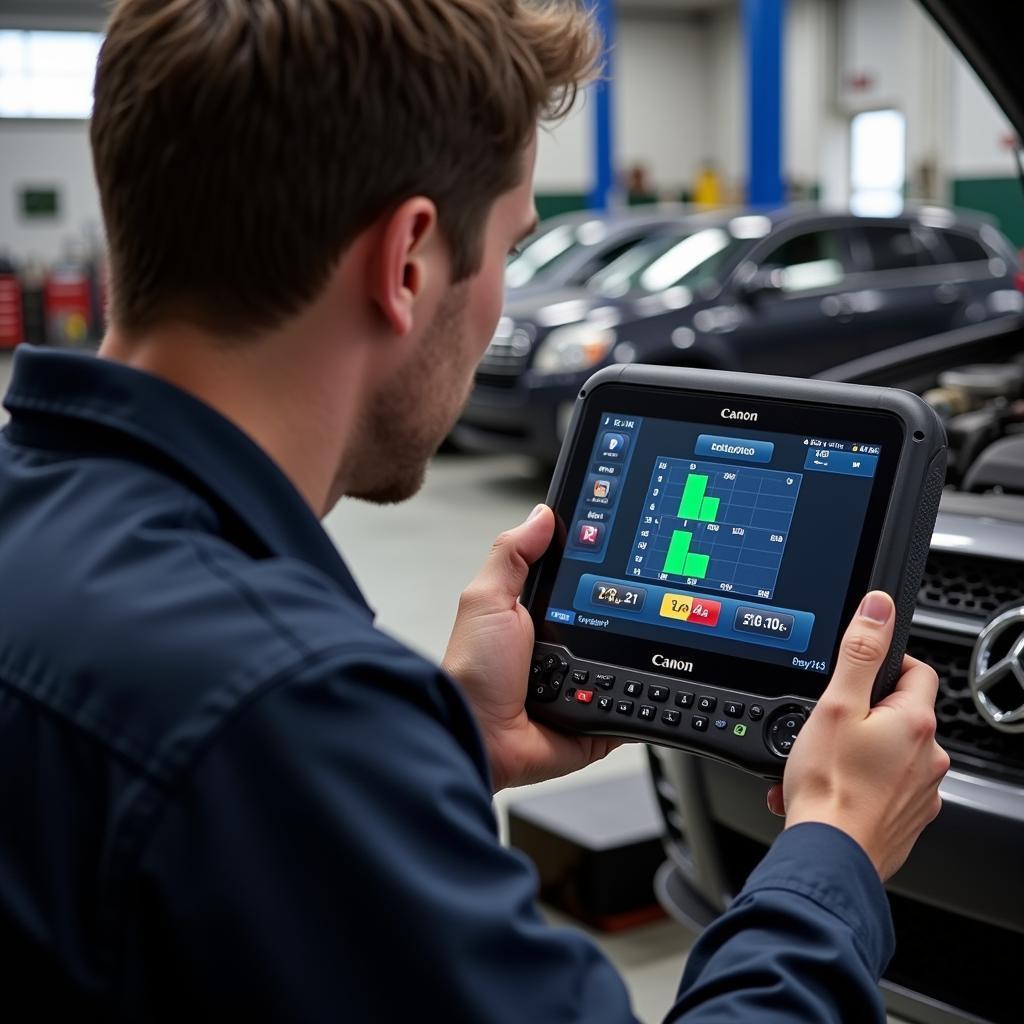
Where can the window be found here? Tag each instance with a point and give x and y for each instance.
(47, 74)
(896, 248)
(808, 261)
(963, 248)
(878, 163)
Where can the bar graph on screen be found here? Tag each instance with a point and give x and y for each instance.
(715, 526)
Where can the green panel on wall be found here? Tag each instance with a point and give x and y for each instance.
(553, 204)
(1003, 198)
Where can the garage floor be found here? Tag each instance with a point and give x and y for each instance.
(412, 561)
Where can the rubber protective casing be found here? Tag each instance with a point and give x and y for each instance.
(914, 502)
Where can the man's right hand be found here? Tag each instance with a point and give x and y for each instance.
(872, 772)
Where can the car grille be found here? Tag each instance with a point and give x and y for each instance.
(974, 588)
(970, 586)
(505, 360)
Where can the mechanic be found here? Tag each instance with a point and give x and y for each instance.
(223, 793)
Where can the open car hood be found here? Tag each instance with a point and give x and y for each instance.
(991, 38)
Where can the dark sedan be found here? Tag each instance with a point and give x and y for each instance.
(793, 291)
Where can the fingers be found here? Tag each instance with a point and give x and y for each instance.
(864, 648)
(919, 681)
(504, 573)
(776, 803)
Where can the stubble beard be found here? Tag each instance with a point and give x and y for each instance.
(405, 424)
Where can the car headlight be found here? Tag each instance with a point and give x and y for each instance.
(573, 348)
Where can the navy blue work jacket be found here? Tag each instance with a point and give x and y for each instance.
(224, 795)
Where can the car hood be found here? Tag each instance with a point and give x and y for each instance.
(989, 36)
(558, 307)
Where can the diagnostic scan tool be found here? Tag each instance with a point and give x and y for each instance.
(715, 534)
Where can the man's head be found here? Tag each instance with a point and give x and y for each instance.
(245, 148)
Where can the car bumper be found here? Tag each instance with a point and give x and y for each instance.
(963, 880)
(519, 419)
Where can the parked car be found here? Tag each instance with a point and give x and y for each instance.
(958, 904)
(792, 291)
(567, 251)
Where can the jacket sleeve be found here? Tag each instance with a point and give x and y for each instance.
(333, 856)
(806, 940)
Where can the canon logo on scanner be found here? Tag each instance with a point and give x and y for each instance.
(737, 414)
(673, 663)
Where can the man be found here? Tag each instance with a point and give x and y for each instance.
(223, 794)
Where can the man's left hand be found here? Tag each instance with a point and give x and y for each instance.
(489, 657)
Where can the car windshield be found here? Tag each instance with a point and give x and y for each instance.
(551, 246)
(668, 261)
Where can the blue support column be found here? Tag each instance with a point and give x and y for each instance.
(604, 184)
(764, 23)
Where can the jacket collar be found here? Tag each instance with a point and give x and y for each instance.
(106, 400)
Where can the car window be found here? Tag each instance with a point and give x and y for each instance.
(895, 248)
(963, 248)
(605, 258)
(811, 260)
(551, 246)
(669, 261)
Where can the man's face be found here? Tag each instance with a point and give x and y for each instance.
(406, 423)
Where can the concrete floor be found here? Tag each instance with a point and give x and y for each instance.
(412, 561)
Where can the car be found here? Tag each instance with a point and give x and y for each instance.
(789, 291)
(958, 904)
(567, 251)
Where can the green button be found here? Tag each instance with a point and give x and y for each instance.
(739, 730)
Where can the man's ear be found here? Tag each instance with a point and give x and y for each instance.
(404, 256)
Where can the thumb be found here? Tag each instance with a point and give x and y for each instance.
(862, 652)
(504, 573)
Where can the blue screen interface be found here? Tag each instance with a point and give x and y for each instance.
(715, 537)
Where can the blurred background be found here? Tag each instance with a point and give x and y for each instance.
(795, 186)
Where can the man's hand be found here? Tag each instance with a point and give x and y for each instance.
(873, 772)
(489, 656)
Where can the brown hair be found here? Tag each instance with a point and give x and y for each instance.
(241, 145)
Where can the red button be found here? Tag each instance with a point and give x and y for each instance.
(584, 696)
(705, 612)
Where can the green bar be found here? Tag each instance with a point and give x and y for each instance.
(709, 509)
(693, 495)
(696, 566)
(678, 550)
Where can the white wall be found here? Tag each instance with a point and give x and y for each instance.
(48, 154)
(980, 133)
(661, 110)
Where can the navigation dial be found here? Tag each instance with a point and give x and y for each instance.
(783, 728)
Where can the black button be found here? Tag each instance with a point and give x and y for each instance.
(605, 703)
(604, 682)
(734, 709)
(536, 670)
(624, 707)
(670, 717)
(570, 694)
(556, 683)
(647, 712)
(756, 712)
(580, 677)
(549, 663)
(784, 728)
(633, 688)
(700, 723)
(684, 700)
(541, 693)
(658, 693)
(720, 723)
(707, 703)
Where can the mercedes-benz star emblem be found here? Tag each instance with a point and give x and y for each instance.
(998, 668)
